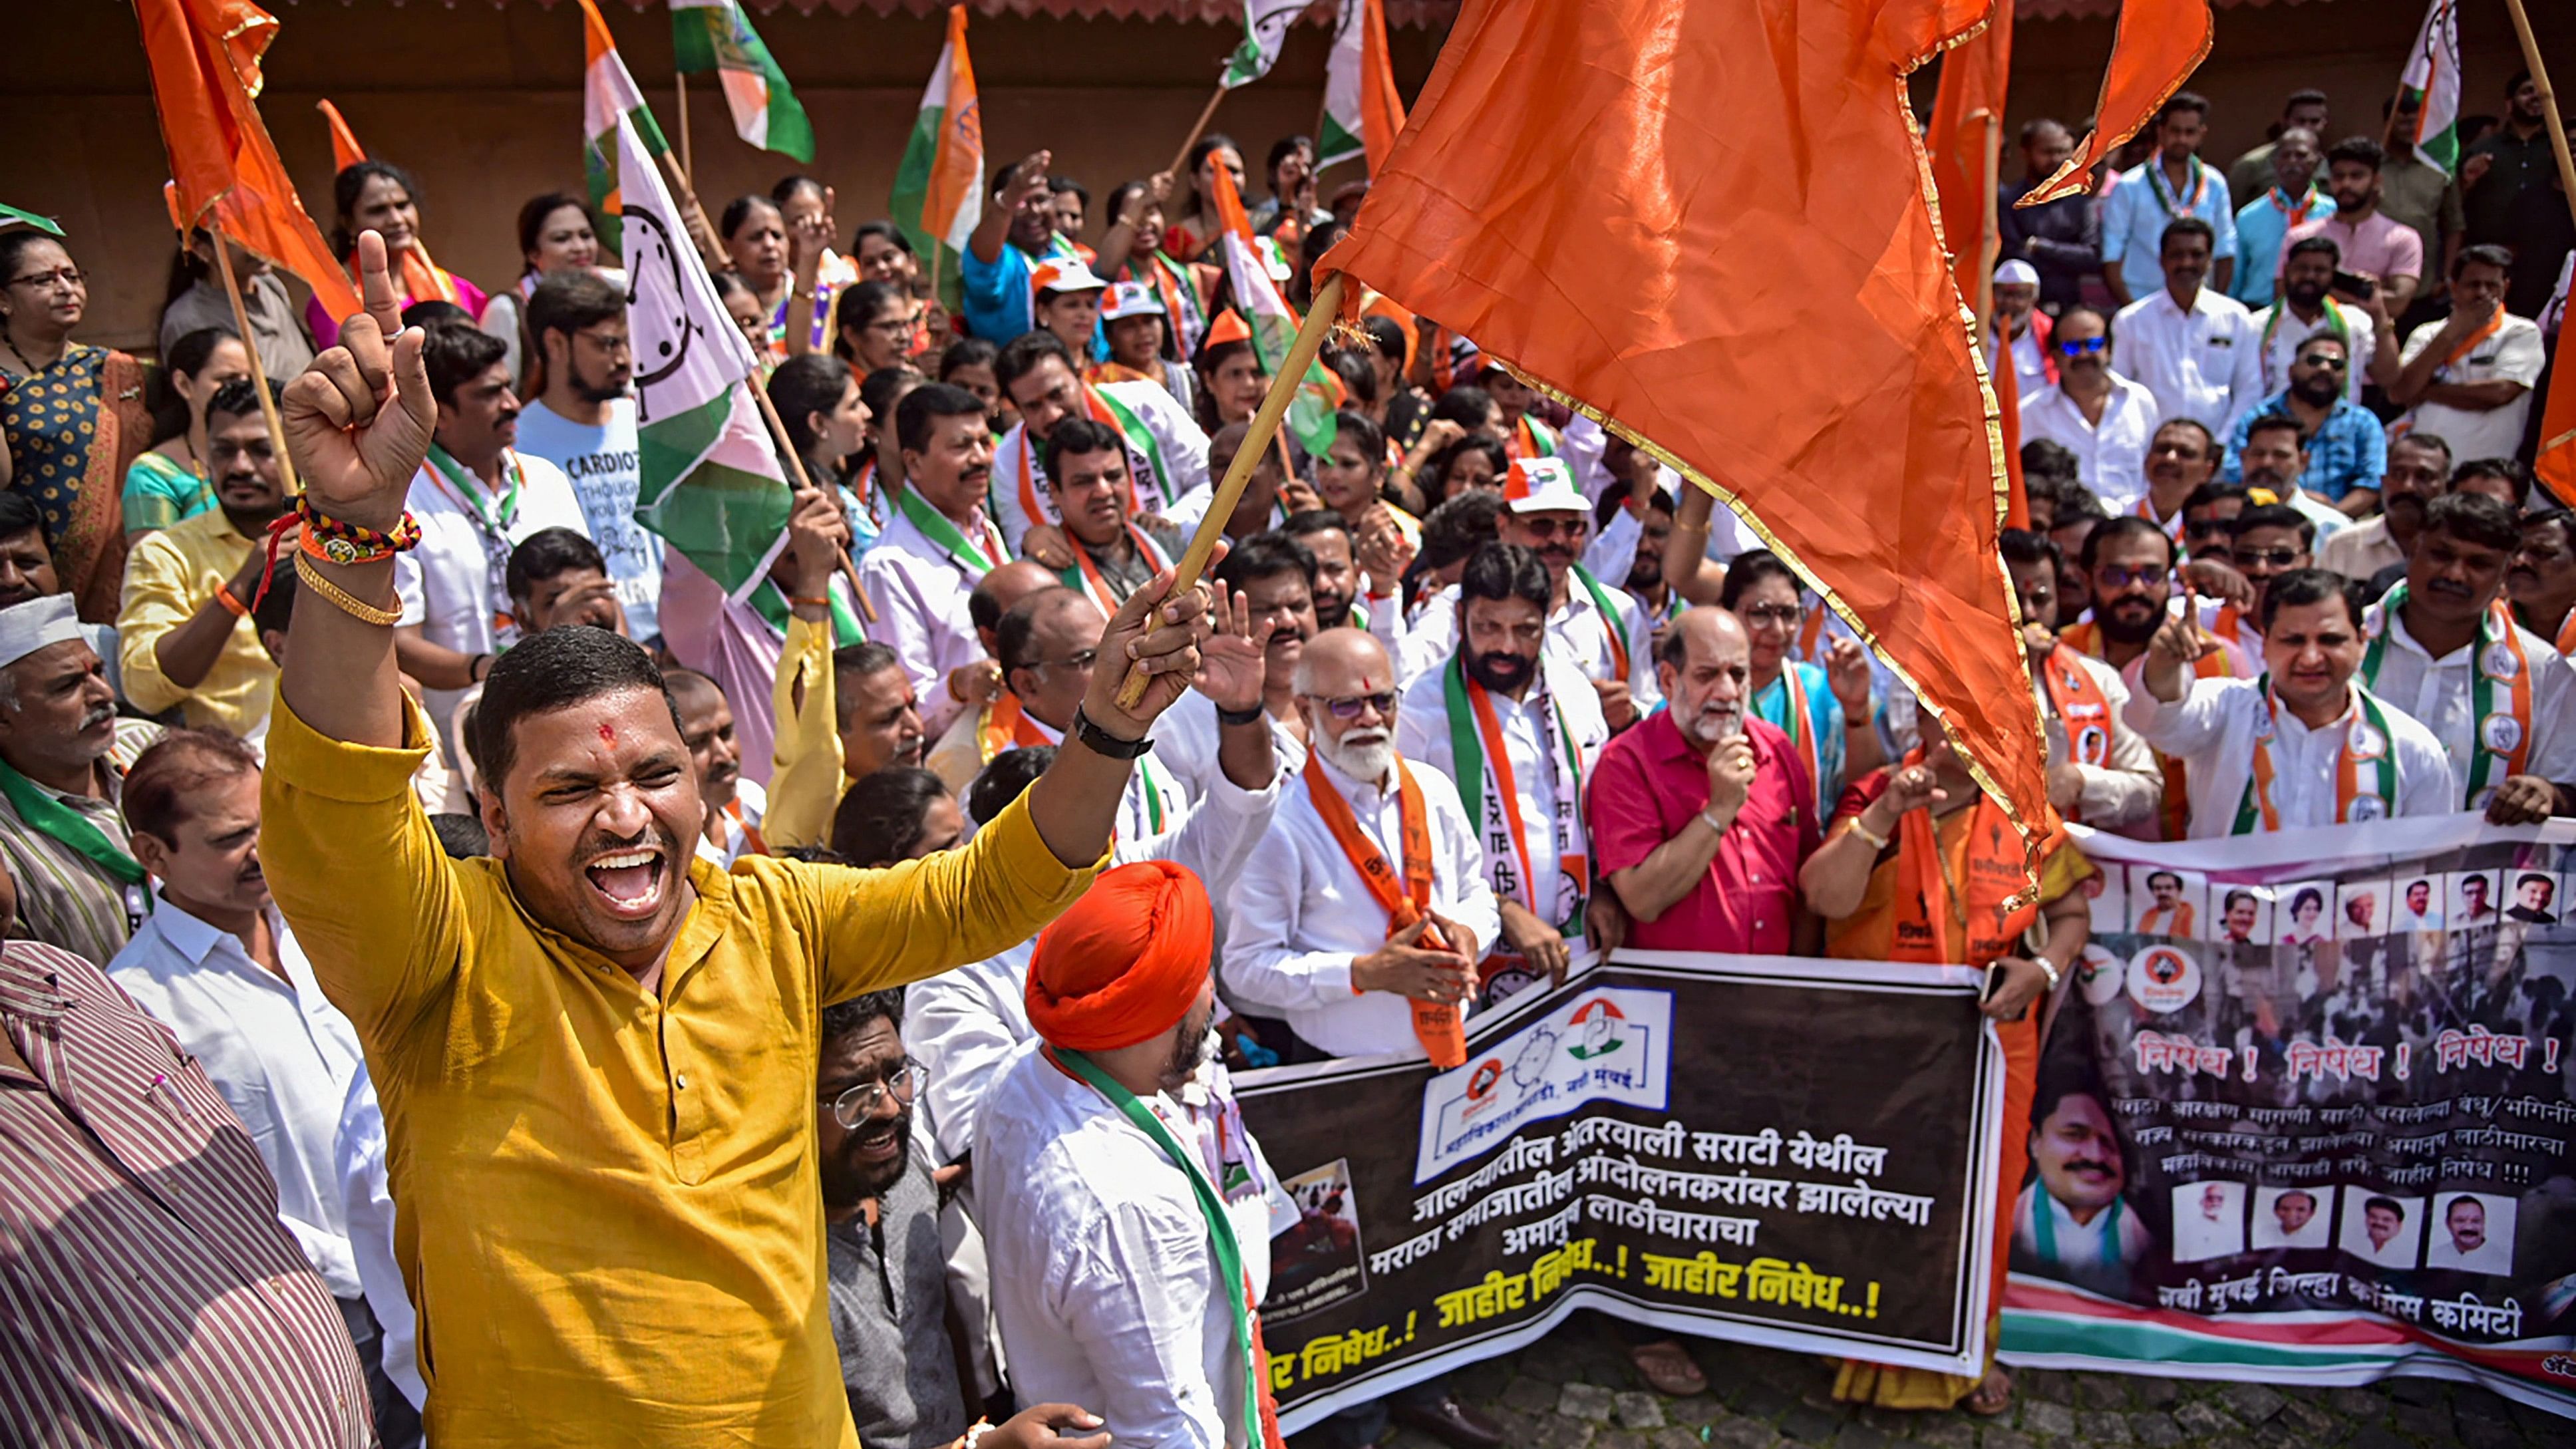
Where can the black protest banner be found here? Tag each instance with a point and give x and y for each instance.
(1789, 1152)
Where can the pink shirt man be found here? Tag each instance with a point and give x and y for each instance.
(2379, 247)
(1649, 784)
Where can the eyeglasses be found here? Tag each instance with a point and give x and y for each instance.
(1383, 703)
(611, 343)
(1784, 615)
(861, 1100)
(1078, 662)
(2206, 527)
(894, 327)
(67, 278)
(2113, 576)
(2326, 360)
(1551, 527)
(2279, 558)
(2082, 346)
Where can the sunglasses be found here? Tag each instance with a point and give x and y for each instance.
(2113, 576)
(2279, 558)
(1383, 703)
(2082, 346)
(1551, 527)
(2325, 360)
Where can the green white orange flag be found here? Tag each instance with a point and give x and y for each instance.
(1272, 321)
(1362, 108)
(714, 35)
(1265, 29)
(608, 96)
(2432, 81)
(40, 223)
(939, 185)
(711, 483)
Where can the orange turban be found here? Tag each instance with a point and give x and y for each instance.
(1126, 963)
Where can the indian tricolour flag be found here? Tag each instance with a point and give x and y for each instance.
(2432, 82)
(1362, 108)
(1273, 322)
(608, 95)
(714, 35)
(1265, 29)
(939, 185)
(711, 485)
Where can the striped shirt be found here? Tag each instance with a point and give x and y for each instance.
(64, 898)
(148, 1295)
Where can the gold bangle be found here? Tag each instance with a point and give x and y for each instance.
(341, 599)
(1865, 833)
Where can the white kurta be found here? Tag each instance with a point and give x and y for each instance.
(1422, 734)
(2441, 694)
(2205, 363)
(2212, 730)
(1019, 465)
(919, 592)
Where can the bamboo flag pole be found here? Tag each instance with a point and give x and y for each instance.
(680, 83)
(804, 480)
(2548, 103)
(1207, 113)
(250, 345)
(1992, 244)
(1256, 441)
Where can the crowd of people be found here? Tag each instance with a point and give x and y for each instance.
(475, 971)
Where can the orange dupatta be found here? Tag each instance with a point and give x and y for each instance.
(1437, 1026)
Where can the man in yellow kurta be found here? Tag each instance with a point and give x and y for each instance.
(596, 1055)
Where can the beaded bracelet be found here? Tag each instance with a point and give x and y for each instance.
(338, 541)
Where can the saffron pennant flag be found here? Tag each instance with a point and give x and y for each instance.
(609, 96)
(1273, 322)
(711, 484)
(2158, 45)
(938, 186)
(224, 169)
(2555, 464)
(1362, 108)
(345, 150)
(2430, 88)
(1265, 29)
(714, 35)
(1716, 236)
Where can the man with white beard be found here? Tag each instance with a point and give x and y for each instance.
(1315, 943)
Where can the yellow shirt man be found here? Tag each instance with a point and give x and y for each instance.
(608, 1213)
(168, 577)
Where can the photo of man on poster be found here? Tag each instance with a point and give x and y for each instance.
(2533, 894)
(2290, 1217)
(2072, 1222)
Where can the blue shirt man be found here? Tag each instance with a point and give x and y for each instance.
(2171, 185)
(2345, 446)
(1017, 232)
(2263, 224)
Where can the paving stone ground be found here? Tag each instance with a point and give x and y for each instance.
(1575, 1389)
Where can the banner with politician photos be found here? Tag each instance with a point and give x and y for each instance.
(2307, 1113)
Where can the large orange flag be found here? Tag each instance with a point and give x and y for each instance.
(1711, 227)
(2555, 465)
(2158, 45)
(205, 57)
(1967, 128)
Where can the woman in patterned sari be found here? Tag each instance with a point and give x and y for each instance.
(74, 416)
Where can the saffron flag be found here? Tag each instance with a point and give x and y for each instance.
(224, 170)
(1362, 108)
(1265, 29)
(939, 184)
(345, 150)
(714, 35)
(2157, 47)
(1273, 322)
(2432, 82)
(711, 483)
(1715, 234)
(608, 96)
(1967, 117)
(2555, 463)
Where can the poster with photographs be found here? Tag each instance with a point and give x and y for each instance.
(2328, 1138)
(1667, 1139)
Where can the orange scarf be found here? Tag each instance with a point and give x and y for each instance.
(2081, 706)
(1994, 864)
(1007, 727)
(1436, 1025)
(2494, 325)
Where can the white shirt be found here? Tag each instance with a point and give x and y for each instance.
(1021, 460)
(919, 593)
(1578, 635)
(964, 1026)
(2514, 354)
(2212, 730)
(2441, 694)
(750, 803)
(2030, 370)
(2123, 791)
(1530, 740)
(1186, 739)
(1302, 913)
(2205, 363)
(603, 464)
(2110, 457)
(445, 585)
(2293, 334)
(2360, 551)
(279, 1052)
(358, 1156)
(1103, 1270)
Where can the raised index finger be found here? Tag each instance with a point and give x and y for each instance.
(381, 298)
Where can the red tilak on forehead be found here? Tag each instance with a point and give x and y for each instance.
(608, 734)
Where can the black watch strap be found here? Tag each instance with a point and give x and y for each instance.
(1238, 716)
(1101, 742)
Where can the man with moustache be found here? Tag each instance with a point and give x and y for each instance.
(2207, 517)
(2193, 347)
(2542, 579)
(2130, 563)
(2418, 471)
(2274, 458)
(2104, 419)
(2285, 195)
(2341, 444)
(2099, 771)
(940, 544)
(1700, 815)
(2305, 110)
(1273, 575)
(2371, 243)
(2182, 456)
(2307, 743)
(63, 754)
(1518, 732)
(734, 805)
(2443, 647)
(584, 423)
(2469, 376)
(2061, 238)
(1165, 453)
(1314, 943)
(2072, 1222)
(2303, 309)
(2421, 913)
(979, 734)
(2265, 542)
(2466, 1221)
(2532, 893)
(183, 632)
(1114, 550)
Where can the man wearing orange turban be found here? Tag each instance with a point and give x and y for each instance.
(1127, 1214)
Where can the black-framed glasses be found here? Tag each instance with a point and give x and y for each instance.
(860, 1100)
(1349, 708)
(2082, 346)
(2279, 558)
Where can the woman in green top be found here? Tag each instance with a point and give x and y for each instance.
(167, 482)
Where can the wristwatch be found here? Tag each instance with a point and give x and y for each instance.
(1102, 742)
(1239, 716)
